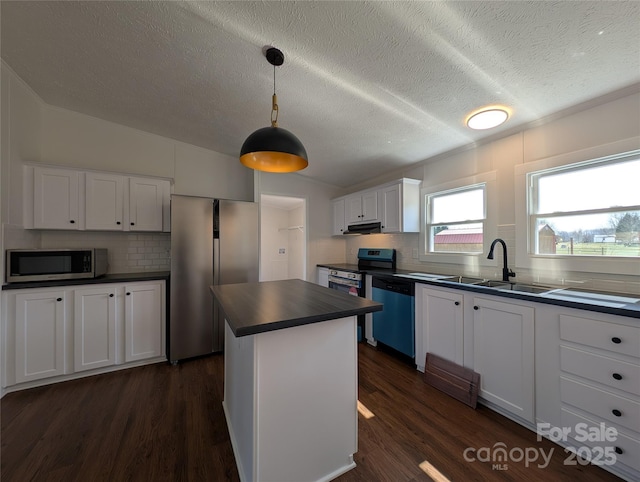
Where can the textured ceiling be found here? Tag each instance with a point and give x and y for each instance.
(368, 87)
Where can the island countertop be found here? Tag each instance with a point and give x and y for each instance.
(252, 308)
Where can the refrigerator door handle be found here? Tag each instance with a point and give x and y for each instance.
(216, 261)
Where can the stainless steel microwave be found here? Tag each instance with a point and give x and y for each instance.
(54, 264)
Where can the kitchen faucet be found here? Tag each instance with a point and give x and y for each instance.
(506, 272)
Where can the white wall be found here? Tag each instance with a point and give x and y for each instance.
(594, 128)
(321, 246)
(273, 237)
(76, 140)
(296, 241)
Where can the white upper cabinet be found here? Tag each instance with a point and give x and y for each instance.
(146, 202)
(400, 207)
(339, 225)
(395, 205)
(70, 199)
(55, 198)
(104, 201)
(361, 207)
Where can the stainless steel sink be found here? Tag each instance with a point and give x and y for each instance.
(497, 284)
(521, 287)
(463, 279)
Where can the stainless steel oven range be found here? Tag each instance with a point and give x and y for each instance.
(346, 281)
(349, 282)
(350, 278)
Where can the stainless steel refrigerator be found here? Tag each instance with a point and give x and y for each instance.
(213, 241)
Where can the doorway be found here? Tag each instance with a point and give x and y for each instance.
(283, 238)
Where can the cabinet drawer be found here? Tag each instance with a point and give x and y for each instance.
(600, 334)
(627, 449)
(619, 410)
(609, 371)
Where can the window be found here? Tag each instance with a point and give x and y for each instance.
(455, 220)
(586, 209)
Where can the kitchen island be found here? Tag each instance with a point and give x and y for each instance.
(291, 378)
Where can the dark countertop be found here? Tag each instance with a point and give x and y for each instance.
(107, 278)
(568, 297)
(252, 308)
(342, 267)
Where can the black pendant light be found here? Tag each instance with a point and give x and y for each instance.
(274, 149)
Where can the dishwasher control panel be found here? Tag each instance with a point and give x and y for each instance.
(402, 286)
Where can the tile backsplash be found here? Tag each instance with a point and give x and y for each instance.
(128, 252)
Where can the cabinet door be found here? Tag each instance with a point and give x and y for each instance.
(353, 209)
(94, 327)
(391, 209)
(40, 325)
(338, 217)
(146, 197)
(323, 277)
(441, 315)
(55, 198)
(370, 206)
(503, 344)
(104, 201)
(143, 321)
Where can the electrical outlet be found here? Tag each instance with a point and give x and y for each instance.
(281, 251)
(415, 253)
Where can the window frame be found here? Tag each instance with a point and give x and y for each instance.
(485, 180)
(526, 216)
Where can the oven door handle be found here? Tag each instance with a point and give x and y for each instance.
(344, 281)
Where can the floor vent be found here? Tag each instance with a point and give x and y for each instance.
(456, 381)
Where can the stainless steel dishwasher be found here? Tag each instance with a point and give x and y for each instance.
(394, 326)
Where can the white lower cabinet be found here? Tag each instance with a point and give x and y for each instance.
(40, 323)
(94, 327)
(555, 369)
(53, 334)
(599, 388)
(503, 349)
(323, 277)
(439, 324)
(142, 332)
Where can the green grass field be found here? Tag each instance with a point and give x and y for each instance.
(598, 249)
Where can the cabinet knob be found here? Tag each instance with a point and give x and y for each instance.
(133, 224)
(72, 221)
(117, 222)
(617, 376)
(457, 303)
(616, 412)
(476, 308)
(58, 299)
(111, 295)
(128, 293)
(616, 340)
(618, 450)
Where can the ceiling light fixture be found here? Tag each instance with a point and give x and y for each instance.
(487, 118)
(274, 149)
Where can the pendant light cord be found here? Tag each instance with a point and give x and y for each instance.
(274, 102)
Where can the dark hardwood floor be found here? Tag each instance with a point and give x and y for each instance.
(165, 423)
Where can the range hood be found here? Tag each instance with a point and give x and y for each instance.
(367, 228)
